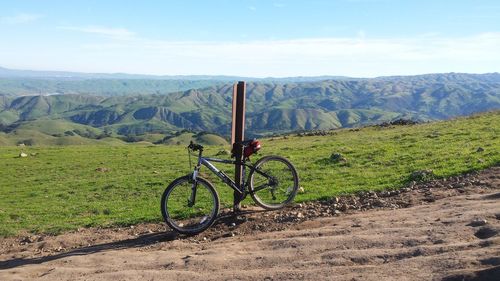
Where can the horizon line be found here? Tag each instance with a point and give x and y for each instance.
(228, 75)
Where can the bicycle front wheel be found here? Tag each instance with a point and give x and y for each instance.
(182, 213)
(274, 182)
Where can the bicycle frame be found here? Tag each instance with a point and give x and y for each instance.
(205, 161)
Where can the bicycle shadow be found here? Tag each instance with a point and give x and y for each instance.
(140, 241)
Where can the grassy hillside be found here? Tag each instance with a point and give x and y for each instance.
(61, 188)
(4, 140)
(186, 138)
(56, 133)
(36, 138)
(272, 107)
(57, 127)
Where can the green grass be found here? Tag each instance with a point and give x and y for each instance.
(204, 139)
(37, 138)
(57, 126)
(58, 188)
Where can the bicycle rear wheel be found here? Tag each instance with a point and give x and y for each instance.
(189, 217)
(274, 182)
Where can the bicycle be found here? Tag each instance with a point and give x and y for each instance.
(190, 204)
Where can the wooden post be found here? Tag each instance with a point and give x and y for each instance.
(237, 136)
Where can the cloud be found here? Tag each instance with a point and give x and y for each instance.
(279, 5)
(358, 56)
(115, 33)
(20, 18)
(252, 8)
(355, 56)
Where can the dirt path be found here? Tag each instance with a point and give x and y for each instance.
(450, 232)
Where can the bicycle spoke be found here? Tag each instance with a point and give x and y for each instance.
(274, 182)
(186, 215)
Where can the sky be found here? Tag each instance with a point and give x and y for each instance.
(258, 38)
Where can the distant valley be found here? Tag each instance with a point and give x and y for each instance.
(156, 110)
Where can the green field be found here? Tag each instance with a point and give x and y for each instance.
(62, 188)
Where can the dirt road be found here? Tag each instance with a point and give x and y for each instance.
(445, 233)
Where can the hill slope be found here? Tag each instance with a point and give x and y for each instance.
(271, 107)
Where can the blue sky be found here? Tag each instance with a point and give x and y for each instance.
(362, 38)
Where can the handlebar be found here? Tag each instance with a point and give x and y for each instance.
(195, 147)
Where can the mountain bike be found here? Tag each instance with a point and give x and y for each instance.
(190, 204)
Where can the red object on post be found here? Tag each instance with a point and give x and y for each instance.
(252, 147)
(237, 136)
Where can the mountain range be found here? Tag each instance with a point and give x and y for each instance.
(30, 82)
(273, 106)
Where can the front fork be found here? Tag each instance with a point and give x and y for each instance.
(194, 185)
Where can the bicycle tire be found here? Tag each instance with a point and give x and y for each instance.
(179, 215)
(287, 182)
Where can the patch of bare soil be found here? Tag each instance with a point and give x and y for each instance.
(441, 230)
